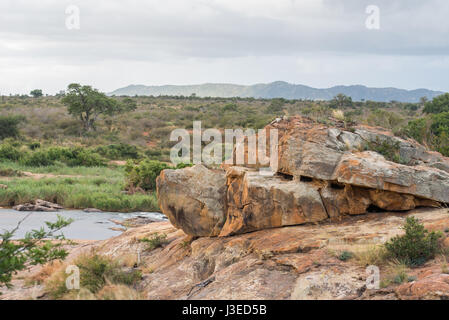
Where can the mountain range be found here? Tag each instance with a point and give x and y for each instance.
(279, 89)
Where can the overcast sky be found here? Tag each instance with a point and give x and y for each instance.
(320, 43)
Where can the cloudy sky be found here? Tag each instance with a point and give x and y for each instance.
(320, 43)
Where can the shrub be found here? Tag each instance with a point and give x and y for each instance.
(438, 104)
(387, 148)
(432, 131)
(119, 151)
(70, 156)
(97, 270)
(345, 256)
(8, 152)
(144, 174)
(8, 126)
(34, 145)
(37, 159)
(157, 240)
(33, 249)
(417, 245)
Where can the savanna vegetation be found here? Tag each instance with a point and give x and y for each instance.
(82, 148)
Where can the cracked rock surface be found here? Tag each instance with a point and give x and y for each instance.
(324, 173)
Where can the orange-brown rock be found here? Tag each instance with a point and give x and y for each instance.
(194, 199)
(296, 262)
(258, 202)
(322, 174)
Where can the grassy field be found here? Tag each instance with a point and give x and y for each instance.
(74, 187)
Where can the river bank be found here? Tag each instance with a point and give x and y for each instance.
(85, 226)
(72, 187)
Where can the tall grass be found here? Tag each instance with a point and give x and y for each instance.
(100, 188)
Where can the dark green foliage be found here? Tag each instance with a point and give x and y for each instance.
(432, 131)
(417, 246)
(9, 126)
(345, 256)
(32, 250)
(9, 152)
(438, 104)
(144, 174)
(387, 148)
(276, 105)
(36, 93)
(340, 101)
(72, 157)
(119, 151)
(88, 104)
(34, 145)
(97, 270)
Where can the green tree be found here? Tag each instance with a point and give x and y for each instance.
(8, 126)
(341, 101)
(276, 105)
(36, 248)
(89, 104)
(438, 104)
(36, 93)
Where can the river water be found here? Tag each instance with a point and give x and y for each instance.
(86, 226)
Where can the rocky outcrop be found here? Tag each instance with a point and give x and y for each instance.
(39, 205)
(323, 173)
(297, 262)
(194, 199)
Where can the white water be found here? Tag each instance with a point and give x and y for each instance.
(86, 226)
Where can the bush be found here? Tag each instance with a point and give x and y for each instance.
(144, 174)
(119, 151)
(97, 270)
(438, 104)
(432, 131)
(345, 256)
(417, 245)
(37, 159)
(70, 156)
(8, 126)
(387, 148)
(8, 152)
(157, 240)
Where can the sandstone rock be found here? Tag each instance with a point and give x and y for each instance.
(323, 173)
(371, 170)
(258, 202)
(432, 287)
(194, 199)
(282, 263)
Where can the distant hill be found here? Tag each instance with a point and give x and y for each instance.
(279, 89)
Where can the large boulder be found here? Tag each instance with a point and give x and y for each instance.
(258, 202)
(194, 199)
(323, 173)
